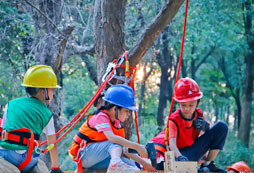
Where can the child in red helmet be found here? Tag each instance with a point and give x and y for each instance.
(104, 135)
(239, 167)
(185, 125)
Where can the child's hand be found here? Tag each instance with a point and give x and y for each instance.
(201, 124)
(148, 167)
(142, 151)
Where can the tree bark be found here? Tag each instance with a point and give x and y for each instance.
(165, 61)
(246, 100)
(108, 32)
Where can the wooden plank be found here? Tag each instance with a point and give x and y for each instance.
(186, 167)
(169, 165)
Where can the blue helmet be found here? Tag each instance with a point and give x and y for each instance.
(121, 95)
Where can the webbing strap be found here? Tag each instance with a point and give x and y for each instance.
(80, 168)
(30, 149)
(17, 137)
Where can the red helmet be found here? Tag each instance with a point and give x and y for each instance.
(186, 90)
(240, 167)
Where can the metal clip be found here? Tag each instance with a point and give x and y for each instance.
(37, 150)
(121, 59)
(110, 67)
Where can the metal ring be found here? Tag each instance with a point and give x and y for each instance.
(3, 135)
(37, 150)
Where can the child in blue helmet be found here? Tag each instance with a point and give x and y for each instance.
(104, 135)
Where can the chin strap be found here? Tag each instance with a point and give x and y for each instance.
(116, 113)
(46, 96)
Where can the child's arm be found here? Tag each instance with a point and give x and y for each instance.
(126, 143)
(148, 167)
(173, 147)
(53, 152)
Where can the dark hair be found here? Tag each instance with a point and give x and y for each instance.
(32, 91)
(106, 106)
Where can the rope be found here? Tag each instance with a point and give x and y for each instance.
(87, 107)
(178, 71)
(84, 110)
(136, 115)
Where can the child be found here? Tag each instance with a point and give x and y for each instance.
(104, 135)
(239, 167)
(185, 125)
(27, 114)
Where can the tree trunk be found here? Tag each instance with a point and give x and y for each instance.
(165, 61)
(108, 32)
(246, 100)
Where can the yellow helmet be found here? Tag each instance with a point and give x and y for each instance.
(40, 76)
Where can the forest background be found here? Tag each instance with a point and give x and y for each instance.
(79, 37)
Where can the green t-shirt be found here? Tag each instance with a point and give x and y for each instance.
(28, 113)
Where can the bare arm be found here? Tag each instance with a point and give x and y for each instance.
(53, 152)
(126, 143)
(148, 167)
(173, 147)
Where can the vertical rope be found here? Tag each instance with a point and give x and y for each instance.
(178, 70)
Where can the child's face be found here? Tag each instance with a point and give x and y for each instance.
(123, 114)
(50, 93)
(187, 108)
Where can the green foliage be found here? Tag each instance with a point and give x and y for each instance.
(147, 130)
(78, 87)
(235, 151)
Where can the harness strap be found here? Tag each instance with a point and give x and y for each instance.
(160, 148)
(20, 136)
(80, 168)
(79, 137)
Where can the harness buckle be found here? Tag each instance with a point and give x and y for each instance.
(3, 135)
(37, 149)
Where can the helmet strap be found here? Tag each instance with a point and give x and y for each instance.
(116, 109)
(198, 102)
(46, 96)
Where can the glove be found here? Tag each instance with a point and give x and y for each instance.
(182, 158)
(56, 170)
(201, 124)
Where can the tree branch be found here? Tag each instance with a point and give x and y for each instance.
(44, 16)
(74, 49)
(59, 58)
(205, 57)
(153, 30)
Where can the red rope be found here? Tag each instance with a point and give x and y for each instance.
(178, 68)
(127, 74)
(85, 109)
(135, 112)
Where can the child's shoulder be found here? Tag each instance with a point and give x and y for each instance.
(99, 116)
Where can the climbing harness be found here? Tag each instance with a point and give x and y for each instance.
(178, 71)
(23, 137)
